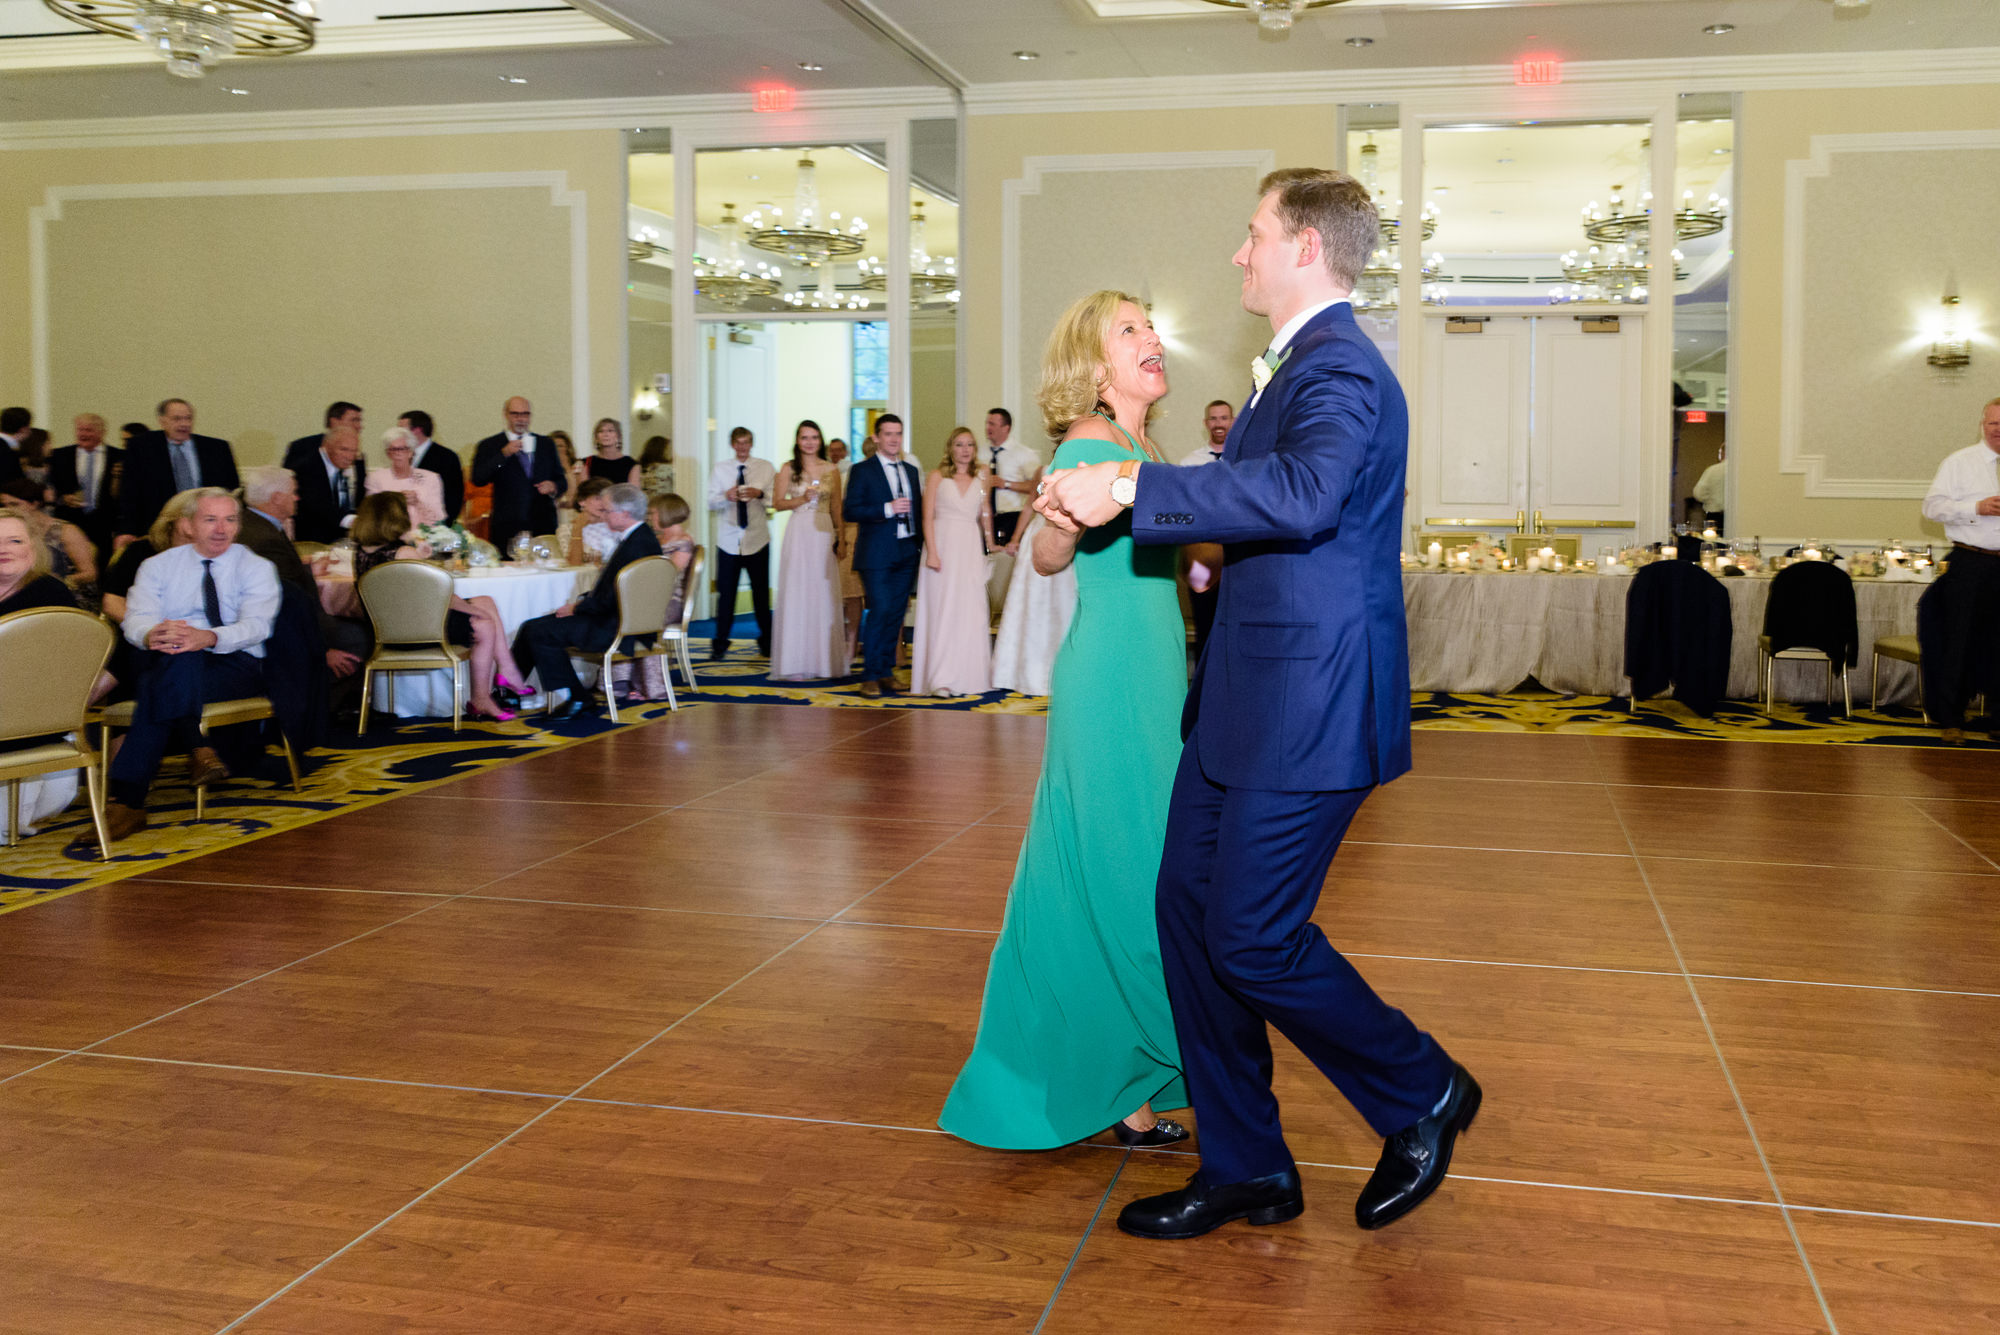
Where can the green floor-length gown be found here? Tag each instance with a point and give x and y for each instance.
(1075, 1032)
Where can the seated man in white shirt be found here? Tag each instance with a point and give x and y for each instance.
(197, 617)
(1958, 621)
(1711, 490)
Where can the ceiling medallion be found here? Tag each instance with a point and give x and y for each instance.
(193, 36)
(1275, 15)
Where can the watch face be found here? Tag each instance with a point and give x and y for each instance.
(1124, 490)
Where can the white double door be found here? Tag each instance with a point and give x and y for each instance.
(1532, 412)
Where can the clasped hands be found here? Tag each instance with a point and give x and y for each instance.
(178, 637)
(1074, 499)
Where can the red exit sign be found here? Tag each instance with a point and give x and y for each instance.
(1697, 415)
(1535, 71)
(773, 97)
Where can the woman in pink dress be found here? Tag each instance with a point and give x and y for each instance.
(808, 639)
(423, 490)
(954, 654)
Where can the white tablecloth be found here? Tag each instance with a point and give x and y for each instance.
(521, 595)
(1485, 633)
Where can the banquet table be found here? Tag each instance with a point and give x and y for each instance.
(1485, 632)
(520, 594)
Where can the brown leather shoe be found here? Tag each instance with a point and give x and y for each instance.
(1953, 737)
(205, 767)
(871, 690)
(120, 822)
(891, 686)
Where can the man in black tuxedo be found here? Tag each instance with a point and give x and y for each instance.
(588, 624)
(84, 478)
(270, 510)
(14, 424)
(166, 462)
(526, 475)
(438, 459)
(332, 476)
(885, 499)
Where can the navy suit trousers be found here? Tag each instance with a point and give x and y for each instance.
(1239, 879)
(168, 694)
(886, 598)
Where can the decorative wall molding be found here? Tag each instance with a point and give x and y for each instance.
(818, 113)
(1792, 455)
(50, 211)
(1029, 183)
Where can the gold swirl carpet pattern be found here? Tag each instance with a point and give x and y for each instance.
(398, 757)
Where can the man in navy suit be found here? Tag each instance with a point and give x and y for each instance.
(1299, 707)
(885, 500)
(85, 478)
(526, 476)
(332, 476)
(587, 624)
(436, 458)
(162, 464)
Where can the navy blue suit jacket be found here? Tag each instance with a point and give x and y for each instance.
(876, 546)
(517, 505)
(148, 482)
(1305, 683)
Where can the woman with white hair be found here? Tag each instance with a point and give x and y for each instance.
(423, 490)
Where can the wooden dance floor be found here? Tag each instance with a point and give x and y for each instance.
(647, 1035)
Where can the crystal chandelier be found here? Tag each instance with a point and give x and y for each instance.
(1369, 173)
(1619, 224)
(725, 278)
(193, 35)
(812, 238)
(931, 279)
(1380, 285)
(1275, 15)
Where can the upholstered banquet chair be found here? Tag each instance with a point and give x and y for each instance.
(1810, 615)
(677, 634)
(407, 601)
(50, 658)
(645, 587)
(217, 714)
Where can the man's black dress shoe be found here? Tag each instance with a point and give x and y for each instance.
(1199, 1208)
(569, 708)
(1414, 1160)
(1161, 1132)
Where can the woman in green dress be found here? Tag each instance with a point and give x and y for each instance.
(1075, 1034)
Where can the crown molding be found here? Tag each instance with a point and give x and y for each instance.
(610, 113)
(1718, 74)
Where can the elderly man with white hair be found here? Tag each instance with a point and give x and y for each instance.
(589, 624)
(423, 490)
(270, 499)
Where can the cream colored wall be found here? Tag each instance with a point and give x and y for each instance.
(264, 299)
(933, 388)
(1879, 236)
(1170, 231)
(650, 351)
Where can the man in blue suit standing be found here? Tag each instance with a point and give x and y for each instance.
(1299, 707)
(885, 499)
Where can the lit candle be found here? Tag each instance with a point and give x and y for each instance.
(1434, 554)
(1534, 563)
(1556, 563)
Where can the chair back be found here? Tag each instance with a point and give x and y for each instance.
(645, 587)
(693, 583)
(1677, 630)
(1812, 607)
(50, 658)
(407, 601)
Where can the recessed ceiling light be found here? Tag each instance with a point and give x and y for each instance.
(1718, 29)
(811, 66)
(1360, 41)
(512, 78)
(1027, 55)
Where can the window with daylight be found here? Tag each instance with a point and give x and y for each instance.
(871, 374)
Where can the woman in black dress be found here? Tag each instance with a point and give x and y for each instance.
(381, 533)
(610, 462)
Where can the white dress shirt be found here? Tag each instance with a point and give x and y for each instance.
(1203, 454)
(1963, 480)
(753, 537)
(89, 463)
(899, 486)
(333, 476)
(1288, 332)
(1710, 489)
(1017, 463)
(168, 588)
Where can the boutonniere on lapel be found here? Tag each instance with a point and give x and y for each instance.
(1264, 367)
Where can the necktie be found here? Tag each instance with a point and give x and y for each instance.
(742, 506)
(87, 480)
(896, 486)
(993, 492)
(211, 601)
(186, 475)
(341, 495)
(526, 456)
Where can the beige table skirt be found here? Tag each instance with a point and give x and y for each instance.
(1484, 633)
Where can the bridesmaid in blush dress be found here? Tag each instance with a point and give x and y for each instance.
(954, 654)
(808, 638)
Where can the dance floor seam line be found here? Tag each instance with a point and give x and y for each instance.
(1962, 840)
(1082, 1242)
(1728, 1076)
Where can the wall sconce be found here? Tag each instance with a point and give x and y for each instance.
(644, 404)
(1953, 346)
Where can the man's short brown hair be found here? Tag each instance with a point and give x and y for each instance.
(1334, 205)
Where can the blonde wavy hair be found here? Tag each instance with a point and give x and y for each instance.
(949, 469)
(38, 550)
(1074, 371)
(165, 532)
